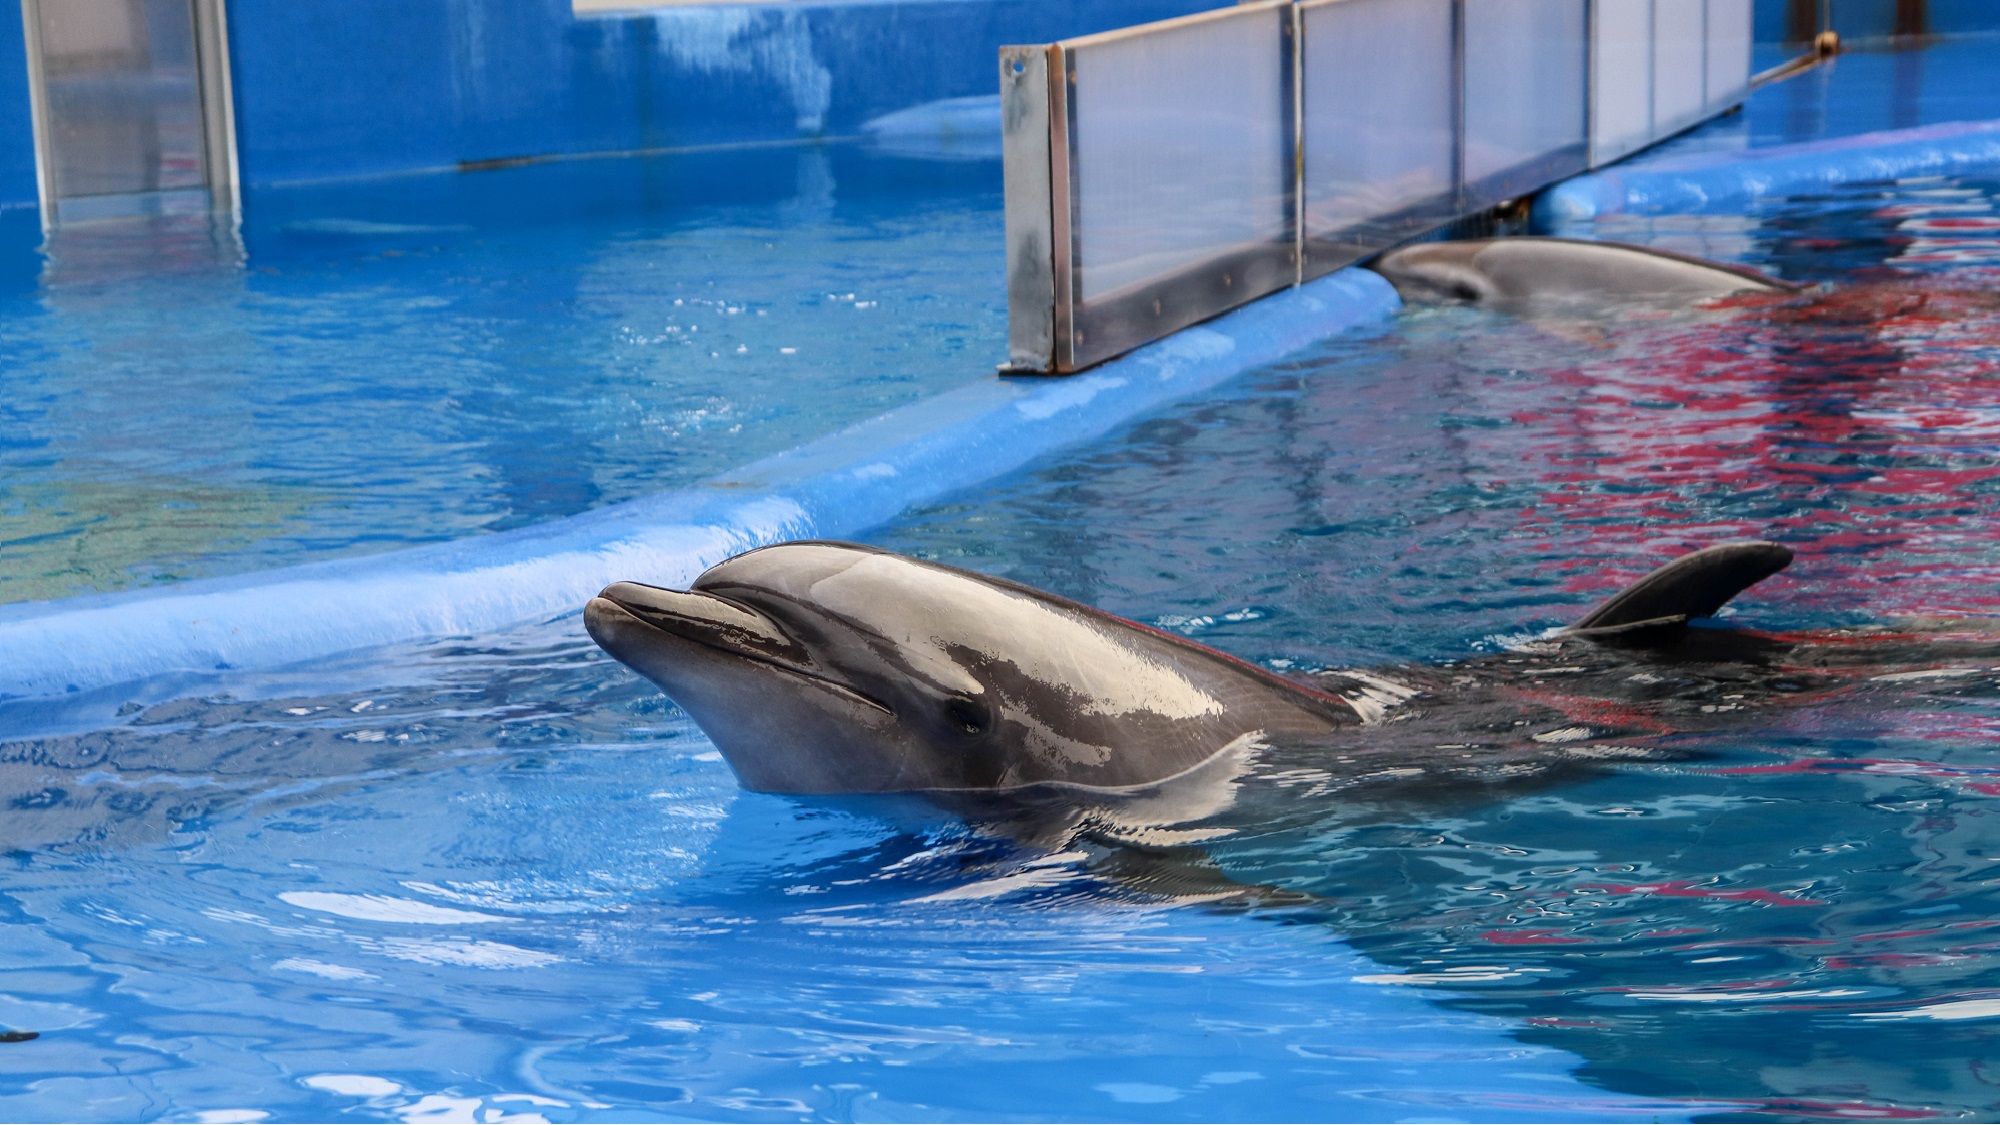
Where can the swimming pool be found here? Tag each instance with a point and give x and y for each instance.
(500, 878)
(502, 875)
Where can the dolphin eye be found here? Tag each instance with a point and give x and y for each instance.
(966, 715)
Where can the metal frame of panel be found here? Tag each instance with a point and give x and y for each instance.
(218, 103)
(218, 113)
(1026, 177)
(1322, 252)
(38, 110)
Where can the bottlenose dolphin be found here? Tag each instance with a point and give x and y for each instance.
(824, 667)
(1502, 271)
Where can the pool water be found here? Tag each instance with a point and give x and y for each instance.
(383, 363)
(502, 879)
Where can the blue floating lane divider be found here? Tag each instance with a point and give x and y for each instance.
(838, 485)
(1730, 181)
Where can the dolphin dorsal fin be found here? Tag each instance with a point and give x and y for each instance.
(1691, 586)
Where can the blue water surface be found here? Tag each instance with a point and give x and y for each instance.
(376, 364)
(499, 878)
(502, 876)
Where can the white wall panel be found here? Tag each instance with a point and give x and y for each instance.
(1379, 123)
(1621, 78)
(1180, 148)
(1729, 36)
(1680, 44)
(1525, 94)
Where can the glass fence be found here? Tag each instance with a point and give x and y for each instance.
(1161, 174)
(1661, 66)
(1379, 116)
(1171, 152)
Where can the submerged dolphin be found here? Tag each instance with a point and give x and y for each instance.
(821, 667)
(1514, 270)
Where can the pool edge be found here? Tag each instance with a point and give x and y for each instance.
(839, 484)
(1728, 181)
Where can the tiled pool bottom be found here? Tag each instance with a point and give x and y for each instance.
(379, 364)
(500, 876)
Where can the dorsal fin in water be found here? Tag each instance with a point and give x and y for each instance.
(1694, 585)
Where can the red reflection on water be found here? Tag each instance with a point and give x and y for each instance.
(1960, 775)
(1531, 937)
(1792, 1107)
(1859, 425)
(1681, 888)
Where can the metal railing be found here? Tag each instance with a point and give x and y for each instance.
(1159, 175)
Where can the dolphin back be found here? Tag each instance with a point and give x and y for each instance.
(1690, 587)
(1501, 270)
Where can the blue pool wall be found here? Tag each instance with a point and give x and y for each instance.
(18, 190)
(329, 90)
(1864, 20)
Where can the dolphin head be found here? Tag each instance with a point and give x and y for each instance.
(820, 667)
(1438, 271)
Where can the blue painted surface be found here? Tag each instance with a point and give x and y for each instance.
(377, 86)
(1864, 114)
(1718, 183)
(838, 485)
(17, 122)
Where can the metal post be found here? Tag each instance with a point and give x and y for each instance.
(218, 105)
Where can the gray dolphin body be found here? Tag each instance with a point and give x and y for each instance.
(835, 668)
(1502, 271)
(824, 668)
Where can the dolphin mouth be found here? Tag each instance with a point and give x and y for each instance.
(716, 624)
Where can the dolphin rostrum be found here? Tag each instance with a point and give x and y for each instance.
(1502, 271)
(823, 667)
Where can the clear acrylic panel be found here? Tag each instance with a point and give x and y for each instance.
(1180, 143)
(1526, 88)
(1728, 68)
(1621, 80)
(1680, 43)
(1379, 123)
(122, 95)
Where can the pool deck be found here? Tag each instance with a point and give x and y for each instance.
(1865, 116)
